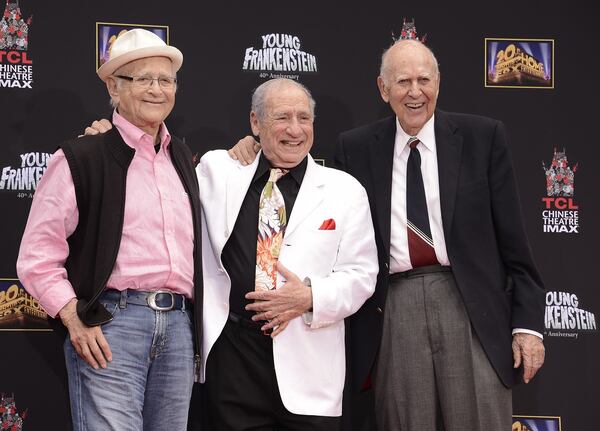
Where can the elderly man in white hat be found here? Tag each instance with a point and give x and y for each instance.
(112, 250)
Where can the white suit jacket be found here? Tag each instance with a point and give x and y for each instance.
(341, 264)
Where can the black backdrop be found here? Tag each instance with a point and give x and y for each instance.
(347, 40)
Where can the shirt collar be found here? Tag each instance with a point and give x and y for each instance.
(136, 137)
(297, 172)
(426, 135)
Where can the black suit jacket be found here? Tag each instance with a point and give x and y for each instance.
(485, 238)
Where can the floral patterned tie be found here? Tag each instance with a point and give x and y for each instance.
(272, 221)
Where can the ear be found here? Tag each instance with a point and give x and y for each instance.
(383, 90)
(111, 86)
(254, 123)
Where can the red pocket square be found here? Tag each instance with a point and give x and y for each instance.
(328, 224)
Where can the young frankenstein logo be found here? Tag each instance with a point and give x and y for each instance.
(560, 213)
(279, 53)
(564, 317)
(16, 69)
(25, 177)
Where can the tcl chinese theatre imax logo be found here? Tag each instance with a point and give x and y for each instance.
(560, 211)
(16, 68)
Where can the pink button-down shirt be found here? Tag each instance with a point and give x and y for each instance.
(157, 244)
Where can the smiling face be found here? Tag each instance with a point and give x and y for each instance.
(410, 83)
(148, 107)
(286, 125)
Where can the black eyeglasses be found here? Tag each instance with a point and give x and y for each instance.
(144, 82)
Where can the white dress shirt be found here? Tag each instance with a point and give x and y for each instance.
(399, 256)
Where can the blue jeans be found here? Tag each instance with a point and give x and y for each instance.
(148, 384)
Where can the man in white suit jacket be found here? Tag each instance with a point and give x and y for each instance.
(327, 269)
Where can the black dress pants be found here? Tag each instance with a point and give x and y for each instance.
(241, 391)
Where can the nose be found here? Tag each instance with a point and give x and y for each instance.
(293, 127)
(154, 85)
(415, 89)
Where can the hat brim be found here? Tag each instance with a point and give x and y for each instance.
(113, 64)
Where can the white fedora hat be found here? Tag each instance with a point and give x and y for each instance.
(135, 44)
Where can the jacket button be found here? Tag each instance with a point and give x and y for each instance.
(379, 310)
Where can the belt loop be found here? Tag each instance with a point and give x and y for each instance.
(183, 303)
(123, 299)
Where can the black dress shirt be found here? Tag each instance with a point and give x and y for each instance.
(239, 253)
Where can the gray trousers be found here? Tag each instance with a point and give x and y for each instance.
(432, 373)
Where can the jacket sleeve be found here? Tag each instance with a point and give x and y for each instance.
(527, 285)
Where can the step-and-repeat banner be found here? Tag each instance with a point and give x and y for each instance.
(532, 65)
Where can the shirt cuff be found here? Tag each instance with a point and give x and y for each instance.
(55, 298)
(307, 317)
(527, 331)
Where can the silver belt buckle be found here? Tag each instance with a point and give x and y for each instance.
(152, 301)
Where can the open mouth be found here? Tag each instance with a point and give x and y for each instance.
(414, 106)
(291, 143)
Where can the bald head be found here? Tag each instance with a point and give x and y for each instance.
(401, 47)
(409, 81)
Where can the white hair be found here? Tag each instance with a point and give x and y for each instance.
(260, 93)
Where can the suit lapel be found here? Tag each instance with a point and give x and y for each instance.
(238, 182)
(449, 148)
(382, 159)
(309, 197)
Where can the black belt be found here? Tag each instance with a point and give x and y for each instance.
(248, 323)
(160, 300)
(422, 270)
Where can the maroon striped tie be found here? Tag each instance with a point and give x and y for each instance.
(420, 241)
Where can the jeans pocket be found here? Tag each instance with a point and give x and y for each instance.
(112, 307)
(189, 316)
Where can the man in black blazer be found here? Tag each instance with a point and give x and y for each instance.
(436, 336)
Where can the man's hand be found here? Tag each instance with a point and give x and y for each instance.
(244, 151)
(279, 306)
(89, 341)
(529, 350)
(98, 126)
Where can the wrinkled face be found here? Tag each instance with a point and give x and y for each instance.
(286, 131)
(411, 85)
(147, 107)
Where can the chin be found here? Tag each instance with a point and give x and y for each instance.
(289, 162)
(154, 119)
